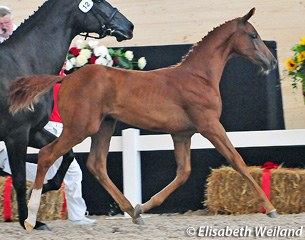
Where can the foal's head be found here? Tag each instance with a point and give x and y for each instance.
(247, 42)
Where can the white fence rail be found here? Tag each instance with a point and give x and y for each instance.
(131, 143)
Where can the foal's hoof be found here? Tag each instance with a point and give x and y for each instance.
(138, 210)
(39, 226)
(138, 221)
(29, 227)
(272, 214)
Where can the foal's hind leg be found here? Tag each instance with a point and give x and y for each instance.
(40, 139)
(47, 156)
(218, 137)
(97, 164)
(183, 158)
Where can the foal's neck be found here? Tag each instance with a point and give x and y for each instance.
(207, 58)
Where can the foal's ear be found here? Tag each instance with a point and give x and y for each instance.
(245, 18)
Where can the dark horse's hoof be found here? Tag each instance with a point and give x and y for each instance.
(272, 214)
(43, 227)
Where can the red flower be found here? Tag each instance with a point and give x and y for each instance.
(92, 59)
(74, 51)
(115, 61)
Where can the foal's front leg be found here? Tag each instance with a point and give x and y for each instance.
(97, 165)
(182, 146)
(218, 137)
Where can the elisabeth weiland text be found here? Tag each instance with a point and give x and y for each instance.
(245, 231)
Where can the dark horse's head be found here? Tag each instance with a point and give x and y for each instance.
(100, 17)
(248, 43)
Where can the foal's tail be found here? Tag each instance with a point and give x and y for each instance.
(24, 92)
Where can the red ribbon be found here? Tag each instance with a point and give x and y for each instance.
(7, 193)
(62, 73)
(266, 179)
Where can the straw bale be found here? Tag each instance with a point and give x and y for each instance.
(50, 206)
(228, 193)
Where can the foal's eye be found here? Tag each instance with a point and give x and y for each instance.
(253, 35)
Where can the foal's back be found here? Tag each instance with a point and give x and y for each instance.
(143, 99)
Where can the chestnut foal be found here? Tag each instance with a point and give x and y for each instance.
(180, 100)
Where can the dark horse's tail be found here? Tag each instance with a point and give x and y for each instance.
(24, 92)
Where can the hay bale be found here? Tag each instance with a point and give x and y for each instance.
(228, 193)
(51, 204)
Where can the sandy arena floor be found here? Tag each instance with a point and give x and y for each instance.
(192, 225)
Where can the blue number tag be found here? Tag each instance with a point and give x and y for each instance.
(85, 5)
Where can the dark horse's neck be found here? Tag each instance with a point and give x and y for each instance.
(40, 44)
(209, 56)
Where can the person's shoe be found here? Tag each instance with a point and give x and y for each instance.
(84, 221)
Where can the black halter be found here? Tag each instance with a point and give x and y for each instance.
(100, 16)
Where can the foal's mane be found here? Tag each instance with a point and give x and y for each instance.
(211, 34)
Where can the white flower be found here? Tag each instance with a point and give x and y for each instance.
(81, 60)
(107, 61)
(72, 61)
(92, 44)
(129, 55)
(110, 62)
(80, 44)
(86, 52)
(69, 65)
(142, 62)
(101, 60)
(100, 51)
(108, 57)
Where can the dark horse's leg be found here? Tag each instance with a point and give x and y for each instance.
(39, 140)
(16, 144)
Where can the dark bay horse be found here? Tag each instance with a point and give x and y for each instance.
(180, 100)
(39, 46)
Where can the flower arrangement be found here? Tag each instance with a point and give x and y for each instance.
(296, 64)
(91, 53)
